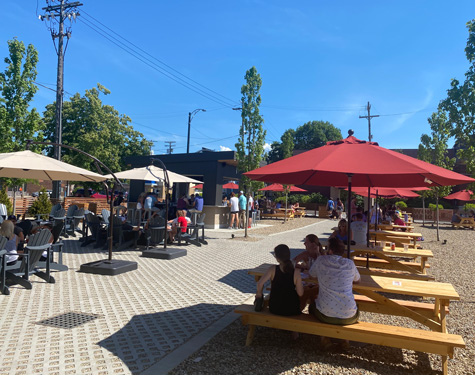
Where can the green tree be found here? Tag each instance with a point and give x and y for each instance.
(275, 153)
(288, 143)
(460, 106)
(250, 145)
(6, 200)
(96, 128)
(433, 149)
(42, 205)
(315, 134)
(17, 88)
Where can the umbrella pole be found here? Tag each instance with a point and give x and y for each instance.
(367, 227)
(437, 213)
(111, 219)
(349, 214)
(423, 212)
(285, 217)
(377, 211)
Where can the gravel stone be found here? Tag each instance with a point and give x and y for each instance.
(274, 352)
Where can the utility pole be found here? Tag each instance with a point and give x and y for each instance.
(369, 117)
(190, 117)
(170, 145)
(57, 15)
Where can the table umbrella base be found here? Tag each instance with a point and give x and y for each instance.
(168, 253)
(108, 267)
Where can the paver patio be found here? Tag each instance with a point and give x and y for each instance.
(135, 320)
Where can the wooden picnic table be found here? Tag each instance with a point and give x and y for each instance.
(372, 287)
(394, 236)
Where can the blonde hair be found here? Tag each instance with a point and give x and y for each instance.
(7, 229)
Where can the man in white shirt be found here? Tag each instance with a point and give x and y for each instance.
(358, 230)
(234, 204)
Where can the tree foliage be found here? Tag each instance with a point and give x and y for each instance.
(42, 205)
(308, 136)
(250, 145)
(460, 106)
(433, 149)
(96, 128)
(315, 134)
(17, 87)
(6, 200)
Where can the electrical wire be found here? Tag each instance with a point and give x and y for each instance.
(161, 62)
(153, 65)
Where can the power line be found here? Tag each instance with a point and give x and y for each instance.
(161, 62)
(195, 86)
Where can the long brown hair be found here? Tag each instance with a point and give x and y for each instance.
(282, 254)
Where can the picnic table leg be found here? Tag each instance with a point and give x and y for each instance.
(250, 334)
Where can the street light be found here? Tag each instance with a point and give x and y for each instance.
(190, 117)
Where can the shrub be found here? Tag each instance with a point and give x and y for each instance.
(401, 205)
(6, 201)
(468, 207)
(433, 207)
(42, 205)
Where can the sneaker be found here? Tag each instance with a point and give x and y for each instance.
(230, 228)
(249, 227)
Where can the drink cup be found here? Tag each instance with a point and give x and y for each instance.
(406, 248)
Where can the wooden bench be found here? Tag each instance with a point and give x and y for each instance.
(372, 333)
(278, 215)
(381, 263)
(395, 274)
(465, 222)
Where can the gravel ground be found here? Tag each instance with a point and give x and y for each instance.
(273, 351)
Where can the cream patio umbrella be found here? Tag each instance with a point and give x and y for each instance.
(28, 164)
(153, 173)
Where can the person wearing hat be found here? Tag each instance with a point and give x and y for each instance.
(242, 208)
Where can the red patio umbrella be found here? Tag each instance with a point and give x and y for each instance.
(230, 185)
(199, 186)
(386, 192)
(463, 195)
(356, 163)
(280, 187)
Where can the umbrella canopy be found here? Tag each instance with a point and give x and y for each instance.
(280, 187)
(230, 185)
(199, 186)
(464, 195)
(368, 163)
(386, 192)
(153, 173)
(28, 164)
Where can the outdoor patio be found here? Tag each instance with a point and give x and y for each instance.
(127, 323)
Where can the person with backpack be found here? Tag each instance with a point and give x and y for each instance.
(330, 208)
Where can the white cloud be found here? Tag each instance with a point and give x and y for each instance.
(224, 148)
(267, 147)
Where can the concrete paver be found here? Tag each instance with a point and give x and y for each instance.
(142, 316)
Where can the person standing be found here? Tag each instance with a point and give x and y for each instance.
(330, 208)
(234, 204)
(242, 208)
(250, 202)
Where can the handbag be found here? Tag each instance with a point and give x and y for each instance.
(258, 303)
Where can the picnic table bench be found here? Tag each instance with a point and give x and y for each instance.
(440, 343)
(279, 214)
(399, 238)
(368, 297)
(465, 222)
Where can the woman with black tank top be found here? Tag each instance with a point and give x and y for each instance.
(286, 284)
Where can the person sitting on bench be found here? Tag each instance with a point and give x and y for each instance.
(335, 303)
(313, 248)
(286, 284)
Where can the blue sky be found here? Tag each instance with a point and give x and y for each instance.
(318, 61)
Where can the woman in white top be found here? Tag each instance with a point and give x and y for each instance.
(7, 230)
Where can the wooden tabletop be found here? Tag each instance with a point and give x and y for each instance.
(388, 285)
(399, 251)
(395, 233)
